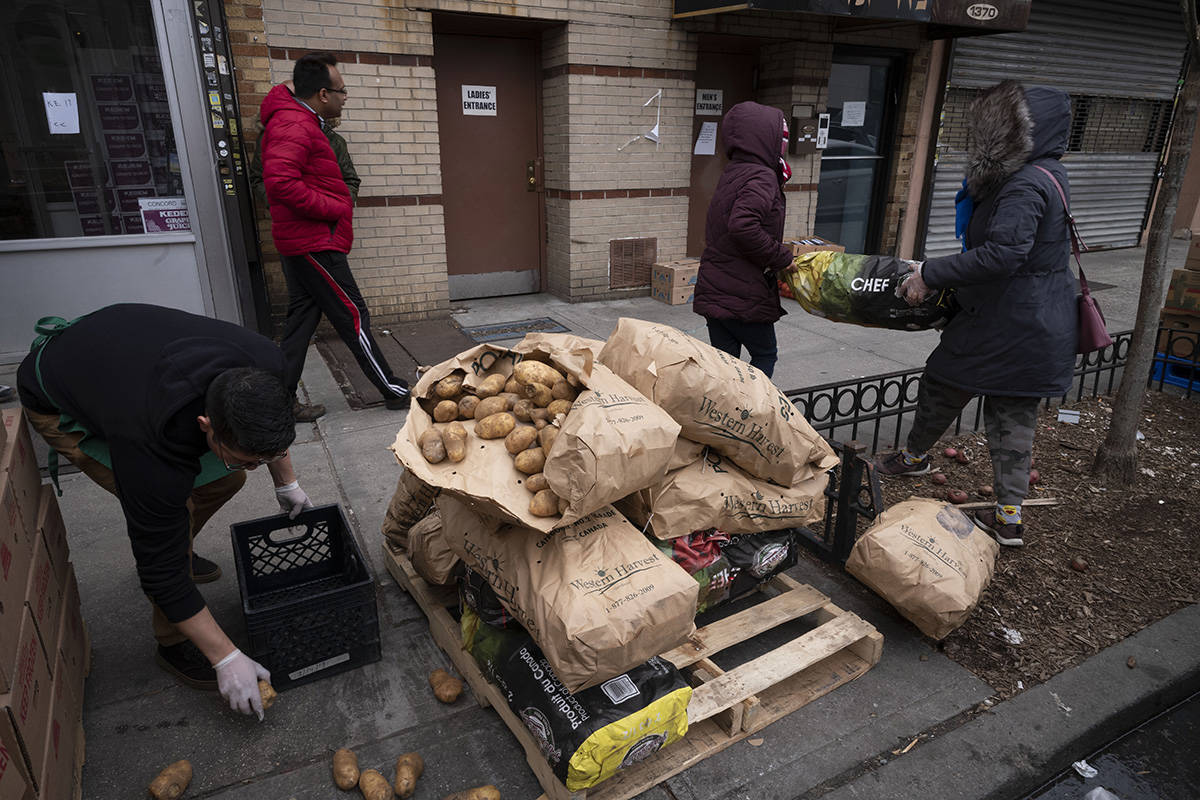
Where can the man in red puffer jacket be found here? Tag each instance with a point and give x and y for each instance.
(312, 225)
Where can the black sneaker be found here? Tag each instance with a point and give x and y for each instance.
(397, 402)
(307, 413)
(188, 665)
(1009, 534)
(7, 393)
(893, 464)
(203, 570)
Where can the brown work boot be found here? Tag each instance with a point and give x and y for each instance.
(203, 570)
(1009, 534)
(307, 413)
(894, 464)
(188, 665)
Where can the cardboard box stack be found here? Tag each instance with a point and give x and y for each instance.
(1181, 310)
(43, 644)
(674, 282)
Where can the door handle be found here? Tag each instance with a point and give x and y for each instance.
(531, 175)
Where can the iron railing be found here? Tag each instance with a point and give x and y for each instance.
(883, 405)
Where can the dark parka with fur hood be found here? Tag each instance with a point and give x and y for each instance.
(1015, 335)
(744, 231)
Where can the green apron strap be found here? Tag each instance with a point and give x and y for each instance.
(46, 329)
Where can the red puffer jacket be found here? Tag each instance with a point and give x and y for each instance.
(310, 203)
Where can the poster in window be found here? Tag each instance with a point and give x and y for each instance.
(164, 214)
(125, 145)
(112, 88)
(118, 116)
(128, 199)
(131, 173)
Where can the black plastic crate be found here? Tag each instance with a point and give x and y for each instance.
(308, 598)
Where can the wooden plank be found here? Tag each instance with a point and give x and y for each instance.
(761, 673)
(715, 637)
(869, 648)
(730, 720)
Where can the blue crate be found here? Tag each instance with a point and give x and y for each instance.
(1176, 372)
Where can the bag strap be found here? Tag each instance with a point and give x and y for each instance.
(1076, 242)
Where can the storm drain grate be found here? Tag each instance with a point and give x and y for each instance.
(511, 330)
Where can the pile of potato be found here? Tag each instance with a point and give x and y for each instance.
(522, 409)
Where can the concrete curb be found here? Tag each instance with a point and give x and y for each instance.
(1013, 749)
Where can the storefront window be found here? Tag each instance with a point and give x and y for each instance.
(86, 138)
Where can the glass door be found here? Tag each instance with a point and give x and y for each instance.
(854, 167)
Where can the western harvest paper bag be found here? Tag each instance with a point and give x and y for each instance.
(929, 560)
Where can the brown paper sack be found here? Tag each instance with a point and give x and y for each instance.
(411, 501)
(613, 442)
(430, 553)
(713, 492)
(929, 560)
(719, 400)
(596, 596)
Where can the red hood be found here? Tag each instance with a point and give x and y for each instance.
(280, 100)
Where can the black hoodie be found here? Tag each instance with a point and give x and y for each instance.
(1016, 333)
(135, 376)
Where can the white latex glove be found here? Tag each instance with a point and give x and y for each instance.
(913, 289)
(292, 499)
(237, 680)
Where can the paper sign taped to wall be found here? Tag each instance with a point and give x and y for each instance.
(62, 112)
(854, 113)
(709, 102)
(706, 142)
(479, 101)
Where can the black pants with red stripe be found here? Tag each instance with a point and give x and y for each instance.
(321, 283)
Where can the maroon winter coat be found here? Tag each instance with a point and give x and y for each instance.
(744, 248)
(311, 210)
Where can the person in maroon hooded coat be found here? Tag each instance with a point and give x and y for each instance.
(737, 290)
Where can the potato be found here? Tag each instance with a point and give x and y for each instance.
(522, 408)
(540, 423)
(563, 391)
(172, 782)
(466, 406)
(345, 769)
(510, 398)
(374, 786)
(513, 386)
(268, 694)
(449, 387)
(408, 768)
(539, 393)
(432, 446)
(536, 372)
(446, 687)
(520, 439)
(490, 405)
(454, 439)
(541, 414)
(445, 411)
(546, 437)
(573, 381)
(495, 426)
(488, 792)
(535, 483)
(491, 386)
(557, 407)
(544, 504)
(530, 462)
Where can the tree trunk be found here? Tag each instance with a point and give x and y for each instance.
(1116, 460)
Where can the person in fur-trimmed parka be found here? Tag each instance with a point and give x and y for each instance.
(737, 290)
(1013, 342)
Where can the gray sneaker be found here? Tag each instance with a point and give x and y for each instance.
(1009, 534)
(893, 464)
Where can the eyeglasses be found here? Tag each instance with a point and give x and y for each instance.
(257, 462)
(341, 91)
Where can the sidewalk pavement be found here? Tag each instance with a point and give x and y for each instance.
(137, 719)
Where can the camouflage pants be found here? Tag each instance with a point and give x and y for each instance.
(1010, 423)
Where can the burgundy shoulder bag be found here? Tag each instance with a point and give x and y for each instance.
(1093, 331)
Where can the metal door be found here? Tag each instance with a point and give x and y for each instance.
(855, 165)
(490, 137)
(732, 74)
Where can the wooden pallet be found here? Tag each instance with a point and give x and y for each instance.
(726, 706)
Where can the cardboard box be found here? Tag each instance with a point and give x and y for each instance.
(43, 595)
(14, 783)
(58, 776)
(674, 274)
(18, 461)
(673, 297)
(1183, 295)
(1193, 254)
(27, 703)
(811, 244)
(72, 637)
(1181, 346)
(53, 531)
(16, 557)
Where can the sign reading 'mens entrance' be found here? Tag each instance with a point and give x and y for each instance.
(479, 101)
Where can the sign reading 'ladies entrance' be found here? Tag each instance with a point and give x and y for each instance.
(479, 101)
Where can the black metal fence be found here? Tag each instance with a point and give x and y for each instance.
(878, 410)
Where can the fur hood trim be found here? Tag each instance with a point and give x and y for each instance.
(1000, 137)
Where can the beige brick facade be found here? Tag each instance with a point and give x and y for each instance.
(602, 179)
